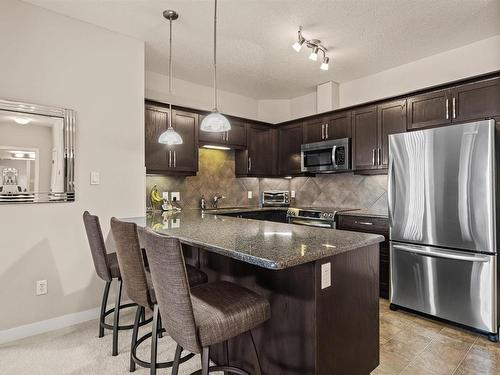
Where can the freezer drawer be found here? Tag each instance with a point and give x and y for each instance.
(454, 285)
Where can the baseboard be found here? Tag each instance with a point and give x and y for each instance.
(48, 325)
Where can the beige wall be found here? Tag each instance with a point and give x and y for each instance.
(55, 60)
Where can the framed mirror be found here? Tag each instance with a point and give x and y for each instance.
(37, 153)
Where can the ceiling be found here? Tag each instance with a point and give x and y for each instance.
(255, 57)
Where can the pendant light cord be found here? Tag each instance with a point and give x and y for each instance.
(170, 76)
(215, 57)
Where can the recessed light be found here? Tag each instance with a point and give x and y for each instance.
(216, 147)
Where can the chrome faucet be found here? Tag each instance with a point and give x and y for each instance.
(216, 199)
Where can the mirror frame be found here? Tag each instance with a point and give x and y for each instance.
(69, 136)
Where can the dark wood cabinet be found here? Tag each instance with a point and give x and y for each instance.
(236, 137)
(365, 138)
(314, 130)
(289, 142)
(476, 101)
(391, 120)
(372, 127)
(339, 125)
(376, 225)
(259, 159)
(430, 109)
(176, 159)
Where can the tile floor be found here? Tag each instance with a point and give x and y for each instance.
(410, 344)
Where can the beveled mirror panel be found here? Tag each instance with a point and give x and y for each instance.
(37, 153)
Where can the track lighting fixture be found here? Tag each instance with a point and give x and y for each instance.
(316, 47)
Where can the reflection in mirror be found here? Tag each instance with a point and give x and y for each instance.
(33, 155)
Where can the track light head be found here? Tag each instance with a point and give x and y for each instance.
(324, 64)
(314, 54)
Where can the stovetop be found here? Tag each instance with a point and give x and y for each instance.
(321, 213)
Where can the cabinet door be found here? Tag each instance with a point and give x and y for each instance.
(476, 101)
(209, 137)
(261, 151)
(156, 120)
(237, 136)
(431, 109)
(186, 154)
(391, 120)
(339, 126)
(290, 140)
(314, 130)
(365, 138)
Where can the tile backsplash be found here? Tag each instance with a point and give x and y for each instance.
(216, 176)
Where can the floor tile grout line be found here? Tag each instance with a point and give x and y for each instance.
(418, 355)
(465, 356)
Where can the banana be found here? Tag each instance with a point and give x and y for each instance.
(155, 197)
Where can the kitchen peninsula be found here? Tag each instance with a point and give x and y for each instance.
(322, 286)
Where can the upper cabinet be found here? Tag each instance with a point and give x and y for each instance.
(334, 126)
(176, 159)
(236, 137)
(259, 159)
(371, 129)
(289, 142)
(468, 102)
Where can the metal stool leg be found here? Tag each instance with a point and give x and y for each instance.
(116, 321)
(177, 357)
(226, 355)
(205, 360)
(160, 327)
(154, 340)
(103, 308)
(138, 316)
(258, 370)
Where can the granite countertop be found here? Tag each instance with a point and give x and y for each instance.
(262, 243)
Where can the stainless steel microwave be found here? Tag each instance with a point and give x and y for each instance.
(326, 156)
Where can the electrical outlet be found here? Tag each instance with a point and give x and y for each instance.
(176, 196)
(164, 195)
(292, 193)
(250, 194)
(326, 275)
(41, 287)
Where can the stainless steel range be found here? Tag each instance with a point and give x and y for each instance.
(315, 217)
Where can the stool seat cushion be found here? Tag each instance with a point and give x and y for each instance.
(114, 268)
(223, 310)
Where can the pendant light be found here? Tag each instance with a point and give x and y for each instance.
(170, 136)
(215, 122)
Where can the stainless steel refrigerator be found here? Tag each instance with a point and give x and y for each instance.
(443, 232)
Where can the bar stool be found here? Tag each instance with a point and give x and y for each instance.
(106, 267)
(204, 315)
(139, 288)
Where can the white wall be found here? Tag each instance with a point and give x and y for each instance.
(304, 105)
(274, 110)
(470, 60)
(192, 95)
(55, 60)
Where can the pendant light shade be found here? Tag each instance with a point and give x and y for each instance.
(215, 122)
(170, 136)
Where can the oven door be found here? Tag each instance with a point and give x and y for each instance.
(312, 222)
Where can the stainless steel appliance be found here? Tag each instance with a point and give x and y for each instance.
(443, 224)
(315, 217)
(326, 156)
(276, 198)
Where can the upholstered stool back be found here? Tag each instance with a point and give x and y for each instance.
(97, 246)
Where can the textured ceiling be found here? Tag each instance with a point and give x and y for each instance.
(255, 57)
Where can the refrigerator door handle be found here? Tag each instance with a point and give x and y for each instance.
(390, 189)
(442, 254)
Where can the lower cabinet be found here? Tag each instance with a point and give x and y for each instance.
(376, 225)
(177, 159)
(259, 159)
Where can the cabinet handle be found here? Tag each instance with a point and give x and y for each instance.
(322, 131)
(326, 126)
(378, 156)
(447, 105)
(249, 164)
(175, 163)
(363, 222)
(169, 158)
(373, 156)
(453, 106)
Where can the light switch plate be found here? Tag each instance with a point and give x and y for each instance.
(326, 275)
(175, 196)
(95, 178)
(249, 194)
(292, 193)
(41, 287)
